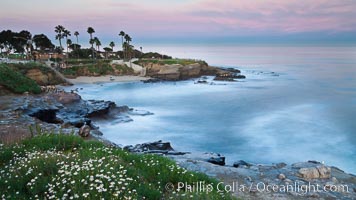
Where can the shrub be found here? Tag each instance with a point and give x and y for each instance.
(17, 82)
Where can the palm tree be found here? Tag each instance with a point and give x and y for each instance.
(66, 33)
(122, 34)
(128, 39)
(59, 30)
(97, 44)
(69, 42)
(91, 31)
(92, 41)
(76, 35)
(112, 44)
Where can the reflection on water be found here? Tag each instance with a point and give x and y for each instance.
(305, 112)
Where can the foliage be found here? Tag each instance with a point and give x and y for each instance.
(81, 53)
(24, 67)
(87, 68)
(55, 166)
(155, 55)
(42, 42)
(169, 61)
(14, 40)
(17, 82)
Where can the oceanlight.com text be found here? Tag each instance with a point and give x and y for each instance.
(236, 187)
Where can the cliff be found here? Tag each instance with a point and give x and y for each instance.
(181, 69)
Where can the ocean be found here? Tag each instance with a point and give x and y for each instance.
(297, 103)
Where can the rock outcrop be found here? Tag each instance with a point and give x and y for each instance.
(312, 170)
(176, 72)
(65, 112)
(84, 131)
(157, 147)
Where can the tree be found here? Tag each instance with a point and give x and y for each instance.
(66, 33)
(92, 41)
(59, 30)
(91, 31)
(107, 50)
(112, 44)
(80, 53)
(128, 39)
(42, 42)
(69, 43)
(76, 34)
(26, 41)
(97, 44)
(21, 41)
(5, 39)
(74, 47)
(122, 34)
(1, 47)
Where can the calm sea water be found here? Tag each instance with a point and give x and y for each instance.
(307, 112)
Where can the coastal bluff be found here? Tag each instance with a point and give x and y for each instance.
(183, 69)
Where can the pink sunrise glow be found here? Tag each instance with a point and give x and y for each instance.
(182, 17)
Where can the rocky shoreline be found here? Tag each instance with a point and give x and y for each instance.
(67, 112)
(304, 180)
(64, 112)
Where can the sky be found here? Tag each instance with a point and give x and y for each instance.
(187, 20)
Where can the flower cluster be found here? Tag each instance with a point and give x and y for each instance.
(65, 167)
(73, 178)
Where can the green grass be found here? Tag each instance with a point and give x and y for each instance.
(57, 166)
(73, 61)
(99, 68)
(169, 61)
(124, 69)
(16, 56)
(16, 81)
(24, 67)
(72, 71)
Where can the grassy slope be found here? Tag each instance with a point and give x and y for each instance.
(102, 67)
(57, 165)
(16, 81)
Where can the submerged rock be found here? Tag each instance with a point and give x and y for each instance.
(216, 159)
(228, 76)
(241, 163)
(150, 146)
